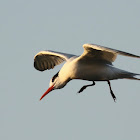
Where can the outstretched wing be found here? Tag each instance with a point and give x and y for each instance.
(102, 53)
(49, 59)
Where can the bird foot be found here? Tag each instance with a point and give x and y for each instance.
(113, 96)
(83, 88)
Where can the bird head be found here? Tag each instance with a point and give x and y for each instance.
(55, 83)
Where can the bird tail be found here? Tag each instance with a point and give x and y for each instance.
(134, 77)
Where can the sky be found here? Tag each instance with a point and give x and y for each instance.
(29, 26)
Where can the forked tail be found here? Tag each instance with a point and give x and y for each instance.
(135, 77)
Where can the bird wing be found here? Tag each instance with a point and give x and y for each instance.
(49, 59)
(98, 52)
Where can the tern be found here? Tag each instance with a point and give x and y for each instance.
(95, 64)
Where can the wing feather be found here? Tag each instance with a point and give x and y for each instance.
(98, 52)
(49, 59)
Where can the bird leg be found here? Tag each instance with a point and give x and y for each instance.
(84, 87)
(112, 94)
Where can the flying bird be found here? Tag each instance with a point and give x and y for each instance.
(95, 64)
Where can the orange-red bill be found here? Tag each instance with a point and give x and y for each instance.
(49, 89)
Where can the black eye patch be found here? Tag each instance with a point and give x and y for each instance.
(54, 77)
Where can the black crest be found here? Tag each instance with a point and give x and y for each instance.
(54, 77)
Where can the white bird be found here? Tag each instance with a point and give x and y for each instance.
(95, 64)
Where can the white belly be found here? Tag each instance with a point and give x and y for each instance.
(90, 71)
